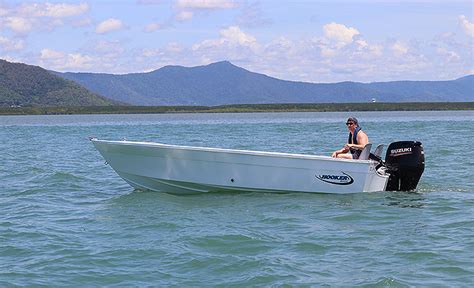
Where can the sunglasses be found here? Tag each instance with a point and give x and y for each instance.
(349, 123)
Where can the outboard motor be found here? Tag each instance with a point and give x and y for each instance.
(405, 162)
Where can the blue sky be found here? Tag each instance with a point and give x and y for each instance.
(313, 41)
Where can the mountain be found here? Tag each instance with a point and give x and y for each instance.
(224, 83)
(26, 85)
(459, 90)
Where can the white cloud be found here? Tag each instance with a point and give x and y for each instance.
(362, 43)
(152, 27)
(150, 2)
(148, 53)
(235, 35)
(364, 49)
(171, 48)
(19, 24)
(339, 33)
(78, 61)
(184, 15)
(376, 50)
(278, 47)
(450, 56)
(109, 25)
(50, 54)
(327, 52)
(399, 48)
(26, 17)
(233, 44)
(343, 41)
(185, 9)
(466, 25)
(205, 4)
(174, 47)
(11, 45)
(57, 60)
(231, 37)
(321, 59)
(59, 10)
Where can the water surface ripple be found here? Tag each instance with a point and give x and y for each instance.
(68, 220)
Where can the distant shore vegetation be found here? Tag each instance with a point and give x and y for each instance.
(240, 108)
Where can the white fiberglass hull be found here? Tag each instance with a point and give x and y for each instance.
(183, 169)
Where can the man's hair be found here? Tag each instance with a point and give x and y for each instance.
(353, 119)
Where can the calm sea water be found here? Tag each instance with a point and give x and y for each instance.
(66, 219)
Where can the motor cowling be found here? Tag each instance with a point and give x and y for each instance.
(405, 162)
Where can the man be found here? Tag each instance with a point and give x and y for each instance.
(356, 143)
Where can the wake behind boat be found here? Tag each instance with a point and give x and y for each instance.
(187, 169)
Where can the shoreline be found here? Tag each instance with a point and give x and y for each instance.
(241, 108)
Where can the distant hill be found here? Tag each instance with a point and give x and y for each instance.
(26, 85)
(223, 83)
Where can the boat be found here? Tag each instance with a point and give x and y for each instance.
(187, 169)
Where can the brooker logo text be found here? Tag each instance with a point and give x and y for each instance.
(344, 179)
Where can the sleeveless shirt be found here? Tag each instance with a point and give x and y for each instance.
(353, 140)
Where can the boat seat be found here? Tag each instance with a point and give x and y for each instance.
(364, 155)
(378, 150)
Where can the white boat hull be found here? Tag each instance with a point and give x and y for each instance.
(183, 169)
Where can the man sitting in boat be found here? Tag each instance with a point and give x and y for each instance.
(356, 143)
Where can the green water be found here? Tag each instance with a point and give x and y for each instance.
(66, 219)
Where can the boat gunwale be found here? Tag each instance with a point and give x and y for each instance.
(231, 151)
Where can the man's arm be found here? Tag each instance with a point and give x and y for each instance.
(340, 151)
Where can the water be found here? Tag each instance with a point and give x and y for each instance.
(66, 219)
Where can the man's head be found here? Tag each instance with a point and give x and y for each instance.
(352, 122)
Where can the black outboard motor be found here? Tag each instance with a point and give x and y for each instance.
(405, 161)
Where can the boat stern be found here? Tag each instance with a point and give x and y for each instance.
(377, 179)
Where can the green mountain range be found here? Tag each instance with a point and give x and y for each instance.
(220, 83)
(26, 85)
(223, 83)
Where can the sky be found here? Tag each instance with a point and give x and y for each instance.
(310, 41)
